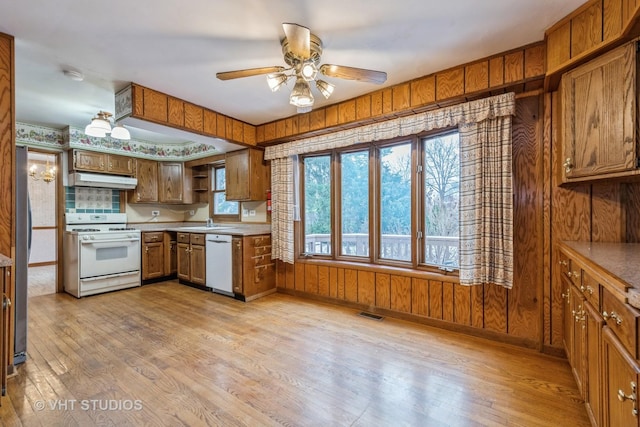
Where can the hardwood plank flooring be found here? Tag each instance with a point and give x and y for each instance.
(167, 354)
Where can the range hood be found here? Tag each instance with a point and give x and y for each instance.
(82, 179)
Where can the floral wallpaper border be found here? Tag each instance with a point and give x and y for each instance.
(71, 137)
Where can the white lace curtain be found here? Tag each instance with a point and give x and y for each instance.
(475, 120)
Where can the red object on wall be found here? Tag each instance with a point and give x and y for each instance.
(268, 200)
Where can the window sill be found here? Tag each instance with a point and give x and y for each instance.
(447, 276)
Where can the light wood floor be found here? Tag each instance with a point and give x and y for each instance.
(166, 354)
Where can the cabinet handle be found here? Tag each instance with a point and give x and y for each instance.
(568, 165)
(6, 302)
(138, 195)
(566, 296)
(146, 249)
(110, 165)
(101, 164)
(562, 263)
(582, 288)
(632, 397)
(590, 290)
(614, 316)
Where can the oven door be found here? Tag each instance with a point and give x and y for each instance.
(109, 256)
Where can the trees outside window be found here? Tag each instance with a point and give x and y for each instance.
(317, 205)
(222, 208)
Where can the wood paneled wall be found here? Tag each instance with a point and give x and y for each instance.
(588, 31)
(7, 145)
(514, 314)
(517, 70)
(157, 107)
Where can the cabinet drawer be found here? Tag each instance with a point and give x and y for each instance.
(261, 260)
(183, 237)
(155, 236)
(197, 239)
(623, 321)
(262, 250)
(591, 290)
(262, 240)
(569, 270)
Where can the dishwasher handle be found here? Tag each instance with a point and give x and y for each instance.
(219, 241)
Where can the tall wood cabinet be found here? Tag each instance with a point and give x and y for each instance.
(175, 183)
(248, 176)
(600, 115)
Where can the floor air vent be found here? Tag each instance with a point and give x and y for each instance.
(370, 316)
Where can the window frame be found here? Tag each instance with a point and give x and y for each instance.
(375, 216)
(220, 217)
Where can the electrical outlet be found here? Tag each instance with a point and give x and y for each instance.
(155, 213)
(252, 212)
(245, 212)
(192, 212)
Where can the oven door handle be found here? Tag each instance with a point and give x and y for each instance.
(97, 242)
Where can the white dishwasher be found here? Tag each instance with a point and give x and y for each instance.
(219, 264)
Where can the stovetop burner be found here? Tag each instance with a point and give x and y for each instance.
(86, 229)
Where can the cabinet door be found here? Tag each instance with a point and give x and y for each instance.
(237, 176)
(236, 265)
(578, 351)
(147, 189)
(173, 261)
(599, 115)
(183, 261)
(175, 185)
(620, 383)
(89, 161)
(593, 322)
(4, 331)
(119, 165)
(567, 319)
(153, 260)
(198, 264)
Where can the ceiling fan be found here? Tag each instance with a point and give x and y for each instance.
(302, 51)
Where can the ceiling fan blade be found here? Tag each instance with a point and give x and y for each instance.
(299, 39)
(352, 73)
(228, 75)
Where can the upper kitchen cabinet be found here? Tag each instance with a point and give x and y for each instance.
(91, 161)
(600, 117)
(146, 190)
(175, 183)
(248, 176)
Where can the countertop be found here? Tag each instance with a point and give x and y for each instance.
(620, 261)
(234, 229)
(5, 261)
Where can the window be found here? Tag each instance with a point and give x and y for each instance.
(354, 202)
(395, 202)
(317, 205)
(391, 202)
(222, 209)
(441, 170)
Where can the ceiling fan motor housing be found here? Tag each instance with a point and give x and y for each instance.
(295, 61)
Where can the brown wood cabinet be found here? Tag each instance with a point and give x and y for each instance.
(175, 183)
(253, 270)
(248, 176)
(5, 333)
(191, 258)
(146, 190)
(600, 117)
(91, 161)
(601, 339)
(153, 255)
(170, 253)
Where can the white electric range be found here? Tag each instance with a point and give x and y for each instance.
(101, 254)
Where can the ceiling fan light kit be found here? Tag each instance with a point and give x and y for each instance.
(100, 127)
(302, 51)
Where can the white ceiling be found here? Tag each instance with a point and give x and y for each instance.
(177, 47)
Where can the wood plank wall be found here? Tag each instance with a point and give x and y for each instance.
(588, 31)
(7, 177)
(516, 70)
(515, 315)
(158, 107)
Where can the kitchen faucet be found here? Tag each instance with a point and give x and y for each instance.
(209, 222)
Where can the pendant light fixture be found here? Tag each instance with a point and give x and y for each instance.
(100, 126)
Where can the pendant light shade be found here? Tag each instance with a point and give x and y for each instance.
(120, 132)
(100, 127)
(301, 94)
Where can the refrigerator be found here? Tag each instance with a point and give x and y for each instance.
(23, 249)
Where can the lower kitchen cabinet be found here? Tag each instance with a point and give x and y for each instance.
(152, 255)
(170, 253)
(191, 258)
(601, 339)
(253, 270)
